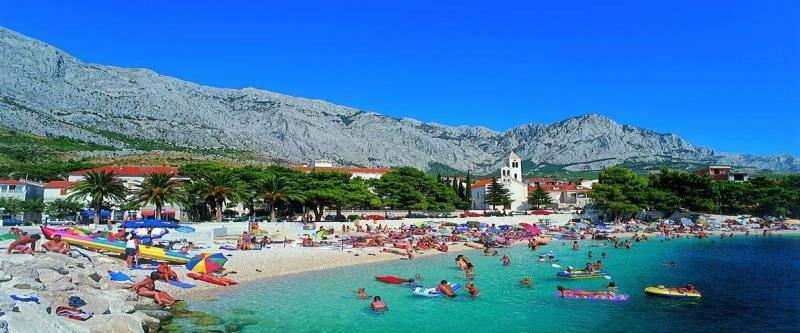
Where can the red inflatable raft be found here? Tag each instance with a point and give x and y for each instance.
(218, 280)
(391, 279)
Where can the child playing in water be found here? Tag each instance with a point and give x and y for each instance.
(362, 293)
(472, 290)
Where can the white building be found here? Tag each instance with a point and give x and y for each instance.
(564, 194)
(21, 190)
(511, 179)
(326, 165)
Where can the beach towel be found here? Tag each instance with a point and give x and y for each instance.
(119, 276)
(181, 284)
(73, 313)
(9, 236)
(228, 247)
(25, 298)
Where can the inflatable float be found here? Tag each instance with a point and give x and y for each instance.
(149, 252)
(218, 280)
(577, 275)
(392, 279)
(431, 292)
(670, 293)
(616, 297)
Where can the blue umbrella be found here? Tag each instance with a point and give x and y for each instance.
(686, 221)
(150, 224)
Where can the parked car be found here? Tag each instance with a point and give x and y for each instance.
(443, 216)
(541, 212)
(375, 217)
(417, 216)
(12, 222)
(494, 213)
(58, 222)
(470, 214)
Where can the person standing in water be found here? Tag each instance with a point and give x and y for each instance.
(575, 246)
(378, 304)
(506, 260)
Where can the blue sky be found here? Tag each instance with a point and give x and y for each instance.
(722, 74)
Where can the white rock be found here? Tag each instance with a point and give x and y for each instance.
(116, 323)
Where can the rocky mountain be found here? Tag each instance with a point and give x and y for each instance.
(45, 91)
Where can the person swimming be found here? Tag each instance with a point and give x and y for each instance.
(611, 286)
(506, 260)
(361, 293)
(444, 288)
(468, 272)
(378, 304)
(526, 282)
(542, 258)
(590, 254)
(671, 264)
(472, 290)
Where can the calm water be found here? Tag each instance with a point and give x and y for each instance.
(749, 285)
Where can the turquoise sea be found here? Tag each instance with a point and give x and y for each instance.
(749, 285)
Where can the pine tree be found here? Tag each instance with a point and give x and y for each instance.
(539, 198)
(497, 195)
(468, 191)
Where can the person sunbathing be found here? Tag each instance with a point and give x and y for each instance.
(21, 244)
(166, 273)
(188, 247)
(147, 288)
(57, 245)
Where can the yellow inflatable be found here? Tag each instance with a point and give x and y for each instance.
(671, 293)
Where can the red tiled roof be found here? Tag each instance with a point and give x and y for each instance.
(542, 180)
(558, 188)
(335, 169)
(59, 184)
(130, 170)
(482, 182)
(17, 182)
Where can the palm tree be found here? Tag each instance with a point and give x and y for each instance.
(158, 189)
(276, 189)
(98, 186)
(219, 187)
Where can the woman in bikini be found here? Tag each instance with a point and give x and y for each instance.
(147, 288)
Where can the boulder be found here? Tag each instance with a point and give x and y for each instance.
(146, 304)
(6, 303)
(18, 270)
(54, 281)
(80, 280)
(151, 325)
(117, 323)
(5, 277)
(48, 262)
(28, 284)
(158, 314)
(94, 303)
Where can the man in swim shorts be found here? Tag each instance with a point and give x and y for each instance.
(21, 244)
(444, 288)
(57, 245)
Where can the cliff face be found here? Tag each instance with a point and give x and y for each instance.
(45, 91)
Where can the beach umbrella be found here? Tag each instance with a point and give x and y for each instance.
(687, 222)
(581, 225)
(206, 262)
(149, 224)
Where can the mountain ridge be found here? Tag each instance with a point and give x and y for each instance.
(46, 91)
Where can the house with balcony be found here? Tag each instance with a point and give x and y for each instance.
(326, 165)
(22, 190)
(722, 173)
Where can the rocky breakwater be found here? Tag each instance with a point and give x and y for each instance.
(56, 280)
